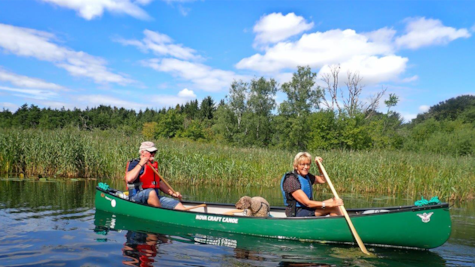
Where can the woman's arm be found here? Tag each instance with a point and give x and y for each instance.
(301, 197)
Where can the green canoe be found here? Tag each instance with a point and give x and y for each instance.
(404, 226)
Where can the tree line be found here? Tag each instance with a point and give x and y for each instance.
(310, 118)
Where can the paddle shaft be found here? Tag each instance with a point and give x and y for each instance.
(156, 172)
(343, 210)
(197, 206)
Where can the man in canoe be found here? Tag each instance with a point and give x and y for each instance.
(144, 182)
(296, 189)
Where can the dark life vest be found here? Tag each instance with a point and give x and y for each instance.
(305, 185)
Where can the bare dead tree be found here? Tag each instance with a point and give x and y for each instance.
(373, 104)
(352, 103)
(331, 80)
(350, 99)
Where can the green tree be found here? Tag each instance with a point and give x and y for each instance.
(170, 124)
(193, 130)
(302, 98)
(261, 103)
(230, 114)
(149, 130)
(207, 108)
(6, 118)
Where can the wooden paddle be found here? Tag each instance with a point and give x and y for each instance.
(343, 210)
(231, 212)
(197, 206)
(156, 172)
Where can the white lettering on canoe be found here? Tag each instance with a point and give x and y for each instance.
(230, 220)
(201, 217)
(211, 218)
(214, 218)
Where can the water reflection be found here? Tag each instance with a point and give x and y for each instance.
(140, 249)
(144, 239)
(50, 222)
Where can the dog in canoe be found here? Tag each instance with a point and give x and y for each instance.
(255, 206)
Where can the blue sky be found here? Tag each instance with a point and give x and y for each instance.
(141, 54)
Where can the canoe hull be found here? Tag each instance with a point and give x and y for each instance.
(424, 227)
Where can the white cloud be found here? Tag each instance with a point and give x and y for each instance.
(316, 50)
(161, 44)
(425, 32)
(283, 77)
(183, 10)
(90, 9)
(37, 44)
(372, 54)
(407, 117)
(202, 76)
(186, 93)
(410, 79)
(24, 81)
(371, 68)
(37, 94)
(276, 27)
(178, 61)
(424, 108)
(384, 35)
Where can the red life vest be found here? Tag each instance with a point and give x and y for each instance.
(148, 179)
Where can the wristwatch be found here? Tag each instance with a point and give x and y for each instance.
(323, 205)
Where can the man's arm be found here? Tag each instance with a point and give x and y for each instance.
(167, 190)
(133, 173)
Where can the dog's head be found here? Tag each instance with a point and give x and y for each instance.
(244, 203)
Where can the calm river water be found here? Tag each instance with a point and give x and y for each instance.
(54, 223)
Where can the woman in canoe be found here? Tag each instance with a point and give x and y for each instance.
(144, 182)
(297, 191)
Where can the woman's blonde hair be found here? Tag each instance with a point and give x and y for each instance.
(301, 155)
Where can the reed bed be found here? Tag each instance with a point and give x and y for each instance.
(103, 154)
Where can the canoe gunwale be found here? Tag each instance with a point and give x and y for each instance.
(352, 212)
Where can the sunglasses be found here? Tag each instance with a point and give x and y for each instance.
(153, 153)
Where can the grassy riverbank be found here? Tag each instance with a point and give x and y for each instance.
(97, 154)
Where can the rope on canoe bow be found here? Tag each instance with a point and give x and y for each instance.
(103, 186)
(424, 202)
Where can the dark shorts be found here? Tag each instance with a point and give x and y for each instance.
(166, 202)
(305, 212)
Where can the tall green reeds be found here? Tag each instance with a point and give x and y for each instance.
(103, 154)
(65, 153)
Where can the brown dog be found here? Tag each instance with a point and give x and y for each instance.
(257, 206)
